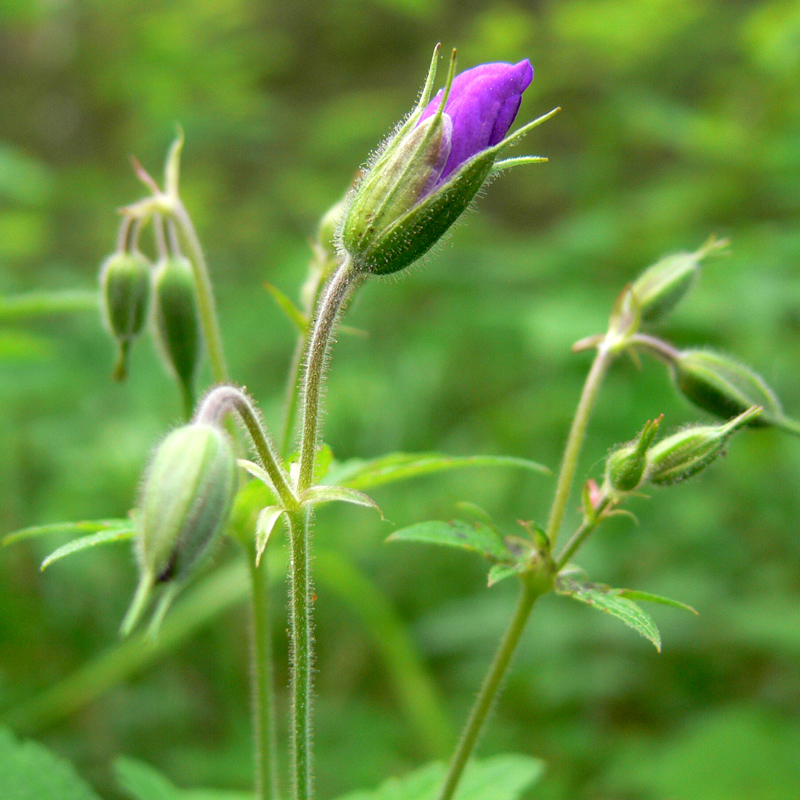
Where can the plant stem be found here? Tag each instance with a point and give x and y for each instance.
(578, 538)
(490, 689)
(263, 688)
(292, 392)
(205, 293)
(575, 439)
(332, 301)
(302, 653)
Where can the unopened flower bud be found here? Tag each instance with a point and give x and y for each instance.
(625, 467)
(125, 298)
(723, 386)
(687, 452)
(186, 498)
(176, 322)
(433, 167)
(661, 287)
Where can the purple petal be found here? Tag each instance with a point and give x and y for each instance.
(482, 105)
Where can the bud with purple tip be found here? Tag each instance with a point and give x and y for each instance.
(434, 165)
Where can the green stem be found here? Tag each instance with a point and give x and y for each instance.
(292, 395)
(577, 434)
(205, 294)
(490, 689)
(332, 301)
(579, 537)
(302, 653)
(263, 688)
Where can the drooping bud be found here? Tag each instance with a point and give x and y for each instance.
(185, 501)
(661, 287)
(176, 323)
(723, 386)
(125, 299)
(687, 452)
(433, 167)
(626, 466)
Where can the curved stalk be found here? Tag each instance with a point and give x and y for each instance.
(579, 537)
(205, 294)
(577, 434)
(331, 303)
(490, 689)
(292, 392)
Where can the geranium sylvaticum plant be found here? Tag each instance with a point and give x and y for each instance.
(223, 473)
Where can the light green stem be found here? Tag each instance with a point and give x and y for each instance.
(579, 537)
(490, 689)
(205, 294)
(267, 787)
(302, 644)
(292, 395)
(330, 305)
(577, 434)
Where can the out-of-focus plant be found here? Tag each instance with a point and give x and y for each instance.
(200, 486)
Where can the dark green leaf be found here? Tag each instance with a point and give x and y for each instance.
(609, 600)
(465, 535)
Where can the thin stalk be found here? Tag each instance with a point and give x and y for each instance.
(332, 301)
(657, 347)
(302, 644)
(205, 294)
(575, 439)
(490, 689)
(292, 395)
(267, 787)
(579, 537)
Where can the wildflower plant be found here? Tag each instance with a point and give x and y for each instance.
(223, 473)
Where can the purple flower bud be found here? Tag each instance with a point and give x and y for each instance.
(482, 105)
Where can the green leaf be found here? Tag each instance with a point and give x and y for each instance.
(295, 315)
(264, 527)
(142, 782)
(316, 495)
(87, 542)
(647, 597)
(609, 600)
(465, 535)
(257, 471)
(503, 777)
(30, 772)
(499, 572)
(74, 528)
(395, 467)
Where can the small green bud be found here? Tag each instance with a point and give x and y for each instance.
(661, 287)
(723, 386)
(125, 299)
(186, 498)
(176, 323)
(687, 452)
(625, 467)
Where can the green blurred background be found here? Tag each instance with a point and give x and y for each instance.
(681, 118)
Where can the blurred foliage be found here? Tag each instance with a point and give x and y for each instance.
(681, 118)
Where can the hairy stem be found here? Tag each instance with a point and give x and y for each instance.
(577, 434)
(205, 294)
(490, 689)
(267, 787)
(292, 392)
(330, 305)
(302, 645)
(579, 537)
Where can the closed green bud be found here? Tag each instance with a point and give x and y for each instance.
(687, 452)
(125, 299)
(176, 323)
(185, 502)
(661, 287)
(723, 386)
(626, 466)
